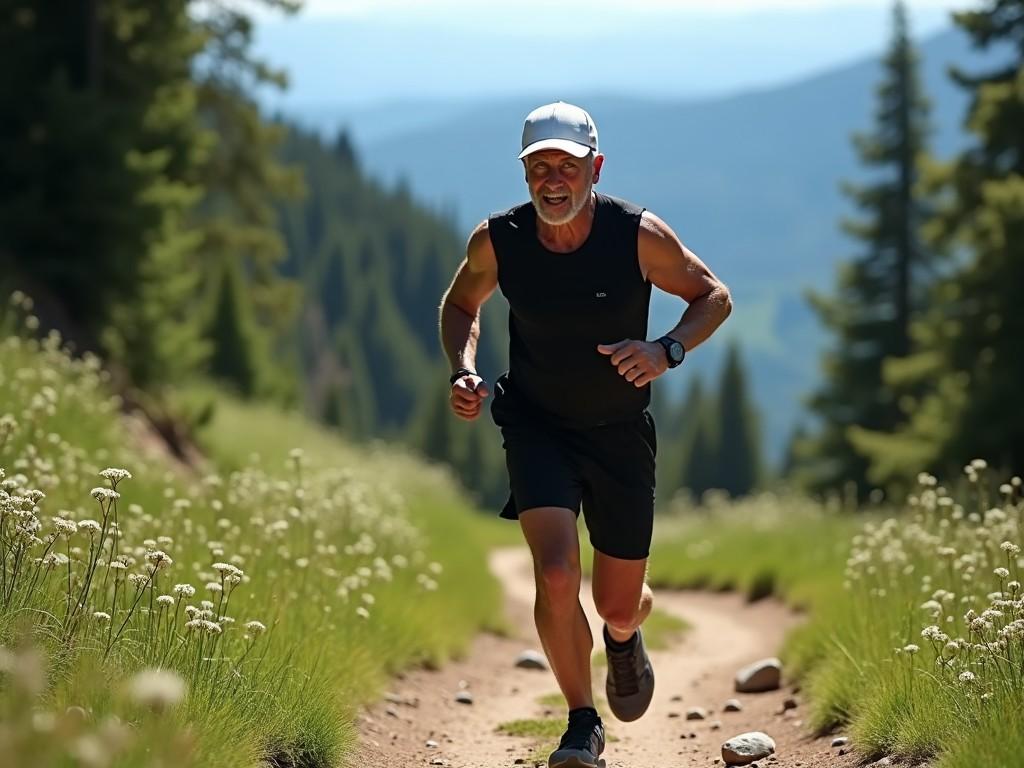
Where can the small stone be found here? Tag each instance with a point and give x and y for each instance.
(763, 675)
(696, 713)
(840, 741)
(393, 697)
(431, 744)
(842, 752)
(691, 735)
(677, 697)
(716, 724)
(391, 710)
(673, 714)
(530, 659)
(520, 761)
(438, 761)
(463, 685)
(789, 703)
(733, 705)
(464, 697)
(747, 747)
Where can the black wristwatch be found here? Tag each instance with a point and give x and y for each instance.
(674, 351)
(459, 374)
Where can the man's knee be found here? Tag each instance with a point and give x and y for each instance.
(559, 580)
(618, 616)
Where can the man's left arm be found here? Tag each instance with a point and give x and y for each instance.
(675, 269)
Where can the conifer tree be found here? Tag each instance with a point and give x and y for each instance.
(231, 360)
(969, 364)
(738, 461)
(879, 292)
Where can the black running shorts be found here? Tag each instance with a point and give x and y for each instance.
(607, 468)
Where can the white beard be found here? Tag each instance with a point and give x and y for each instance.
(572, 210)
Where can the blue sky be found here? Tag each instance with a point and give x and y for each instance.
(363, 53)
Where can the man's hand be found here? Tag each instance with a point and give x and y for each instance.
(640, 362)
(468, 393)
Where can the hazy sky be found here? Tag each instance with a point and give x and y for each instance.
(377, 8)
(365, 52)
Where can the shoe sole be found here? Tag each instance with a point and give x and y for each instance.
(576, 762)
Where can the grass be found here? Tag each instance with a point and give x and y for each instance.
(872, 584)
(359, 560)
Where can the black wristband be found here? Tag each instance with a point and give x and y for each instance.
(459, 374)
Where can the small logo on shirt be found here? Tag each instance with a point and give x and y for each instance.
(600, 294)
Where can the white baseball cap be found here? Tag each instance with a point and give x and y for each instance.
(559, 126)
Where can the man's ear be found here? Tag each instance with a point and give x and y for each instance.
(598, 163)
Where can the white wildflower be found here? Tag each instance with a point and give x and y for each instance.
(159, 559)
(255, 628)
(157, 689)
(104, 494)
(166, 600)
(184, 590)
(115, 475)
(1002, 573)
(967, 677)
(89, 526)
(101, 616)
(911, 649)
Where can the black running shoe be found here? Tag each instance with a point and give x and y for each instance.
(630, 683)
(582, 743)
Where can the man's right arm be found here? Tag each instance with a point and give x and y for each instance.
(475, 281)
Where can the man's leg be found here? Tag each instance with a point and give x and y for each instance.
(551, 534)
(624, 601)
(621, 595)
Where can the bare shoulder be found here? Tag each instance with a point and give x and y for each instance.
(480, 251)
(654, 232)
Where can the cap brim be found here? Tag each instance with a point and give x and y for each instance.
(573, 148)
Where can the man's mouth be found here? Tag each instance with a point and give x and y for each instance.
(555, 199)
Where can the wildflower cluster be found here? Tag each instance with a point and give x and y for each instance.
(961, 565)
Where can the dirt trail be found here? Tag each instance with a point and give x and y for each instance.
(726, 633)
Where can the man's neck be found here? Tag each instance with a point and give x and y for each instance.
(564, 238)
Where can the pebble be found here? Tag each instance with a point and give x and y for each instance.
(841, 741)
(677, 697)
(530, 659)
(673, 714)
(696, 713)
(747, 747)
(763, 675)
(438, 761)
(464, 697)
(733, 705)
(391, 710)
(789, 703)
(431, 744)
(520, 761)
(393, 697)
(716, 724)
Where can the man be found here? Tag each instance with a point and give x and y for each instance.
(577, 269)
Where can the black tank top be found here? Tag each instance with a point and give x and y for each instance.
(562, 305)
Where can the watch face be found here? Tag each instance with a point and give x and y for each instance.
(676, 350)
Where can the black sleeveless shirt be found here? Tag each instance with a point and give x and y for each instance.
(562, 305)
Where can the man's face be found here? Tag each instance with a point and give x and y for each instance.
(560, 184)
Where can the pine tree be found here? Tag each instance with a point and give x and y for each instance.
(969, 365)
(738, 460)
(231, 361)
(879, 292)
(701, 471)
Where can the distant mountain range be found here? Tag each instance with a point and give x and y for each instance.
(749, 182)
